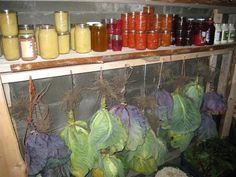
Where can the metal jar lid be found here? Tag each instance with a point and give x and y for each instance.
(26, 36)
(26, 27)
(47, 26)
(6, 11)
(63, 34)
(82, 25)
(61, 11)
(10, 37)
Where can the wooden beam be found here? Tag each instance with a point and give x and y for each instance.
(11, 162)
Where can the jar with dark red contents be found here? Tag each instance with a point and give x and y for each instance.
(125, 38)
(140, 21)
(131, 21)
(200, 28)
(124, 19)
(118, 29)
(180, 41)
(190, 23)
(188, 41)
(131, 43)
(111, 26)
(151, 20)
(165, 38)
(140, 40)
(116, 42)
(110, 41)
(180, 33)
(166, 22)
(181, 23)
(156, 22)
(210, 33)
(149, 9)
(152, 39)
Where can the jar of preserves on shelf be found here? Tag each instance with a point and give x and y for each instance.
(99, 38)
(82, 38)
(48, 42)
(165, 38)
(188, 41)
(125, 38)
(110, 41)
(27, 44)
(231, 33)
(156, 22)
(225, 33)
(8, 23)
(61, 21)
(210, 33)
(166, 22)
(181, 23)
(190, 23)
(72, 37)
(151, 20)
(10, 47)
(64, 42)
(199, 37)
(131, 43)
(116, 42)
(124, 19)
(111, 26)
(37, 27)
(140, 40)
(131, 21)
(152, 39)
(26, 29)
(140, 21)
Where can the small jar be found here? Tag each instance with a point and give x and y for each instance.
(61, 19)
(116, 42)
(165, 38)
(26, 29)
(149, 9)
(10, 47)
(48, 42)
(131, 21)
(99, 38)
(125, 38)
(64, 42)
(140, 21)
(225, 33)
(166, 22)
(231, 33)
(131, 43)
(27, 44)
(72, 36)
(150, 22)
(82, 38)
(111, 26)
(152, 39)
(8, 23)
(37, 38)
(124, 19)
(140, 40)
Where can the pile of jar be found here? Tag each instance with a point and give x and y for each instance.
(224, 33)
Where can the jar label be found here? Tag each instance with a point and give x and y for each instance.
(225, 35)
(217, 36)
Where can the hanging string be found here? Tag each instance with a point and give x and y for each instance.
(160, 75)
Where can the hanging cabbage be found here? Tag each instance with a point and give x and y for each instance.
(107, 131)
(75, 135)
(207, 129)
(134, 122)
(186, 117)
(195, 92)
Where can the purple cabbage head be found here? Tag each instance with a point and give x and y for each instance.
(213, 103)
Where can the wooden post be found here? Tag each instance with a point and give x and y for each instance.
(212, 65)
(11, 162)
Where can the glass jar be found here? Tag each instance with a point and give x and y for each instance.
(210, 33)
(180, 41)
(37, 38)
(218, 33)
(140, 21)
(26, 29)
(48, 42)
(10, 47)
(111, 26)
(131, 43)
(27, 44)
(199, 37)
(8, 23)
(149, 9)
(64, 42)
(124, 19)
(225, 33)
(105, 21)
(188, 41)
(110, 41)
(72, 36)
(166, 22)
(116, 42)
(157, 22)
(152, 39)
(165, 38)
(82, 38)
(131, 21)
(190, 23)
(140, 40)
(125, 38)
(61, 19)
(181, 23)
(150, 22)
(231, 33)
(99, 38)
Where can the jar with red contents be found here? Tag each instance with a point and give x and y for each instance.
(156, 22)
(124, 19)
(151, 19)
(131, 21)
(111, 26)
(116, 42)
(131, 35)
(166, 22)
(152, 39)
(125, 38)
(199, 37)
(140, 21)
(140, 40)
(149, 9)
(165, 38)
(118, 29)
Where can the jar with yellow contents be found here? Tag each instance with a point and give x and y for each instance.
(48, 42)
(8, 23)
(72, 36)
(64, 42)
(61, 19)
(37, 27)
(26, 29)
(10, 47)
(82, 38)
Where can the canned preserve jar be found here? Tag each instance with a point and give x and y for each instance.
(48, 42)
(82, 38)
(72, 36)
(165, 38)
(99, 38)
(111, 26)
(166, 22)
(26, 29)
(131, 43)
(140, 21)
(61, 19)
(225, 33)
(125, 38)
(149, 9)
(140, 40)
(231, 33)
(116, 42)
(124, 19)
(64, 42)
(8, 23)
(27, 46)
(131, 21)
(10, 47)
(152, 39)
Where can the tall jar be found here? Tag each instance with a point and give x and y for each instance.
(99, 38)
(140, 21)
(64, 42)
(82, 38)
(8, 23)
(37, 37)
(48, 42)
(225, 33)
(27, 45)
(10, 47)
(72, 36)
(231, 33)
(26, 29)
(61, 19)
(131, 21)
(140, 40)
